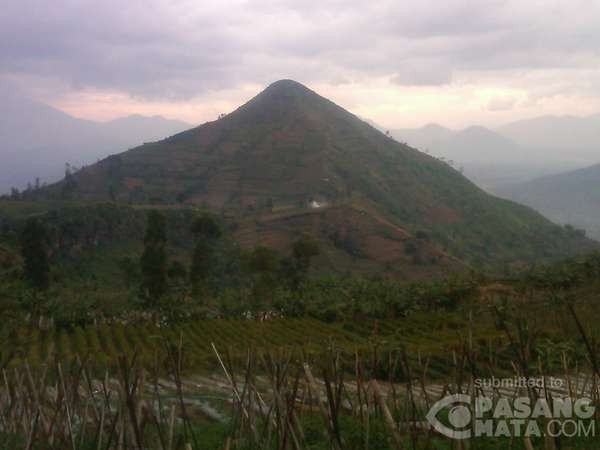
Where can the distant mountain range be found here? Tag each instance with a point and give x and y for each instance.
(290, 161)
(515, 153)
(37, 140)
(567, 198)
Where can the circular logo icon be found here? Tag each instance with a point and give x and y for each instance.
(459, 416)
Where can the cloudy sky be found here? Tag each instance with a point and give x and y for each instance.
(401, 64)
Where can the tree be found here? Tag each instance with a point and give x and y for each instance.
(69, 184)
(35, 255)
(177, 271)
(205, 226)
(262, 260)
(269, 204)
(130, 270)
(153, 262)
(201, 262)
(111, 193)
(263, 264)
(206, 230)
(303, 251)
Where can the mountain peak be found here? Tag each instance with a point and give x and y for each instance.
(287, 90)
(284, 101)
(286, 85)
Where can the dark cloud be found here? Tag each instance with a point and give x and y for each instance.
(181, 48)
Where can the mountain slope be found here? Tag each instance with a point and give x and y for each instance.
(568, 198)
(289, 149)
(37, 140)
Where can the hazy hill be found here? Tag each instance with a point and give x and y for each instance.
(137, 129)
(426, 139)
(293, 153)
(568, 198)
(473, 144)
(490, 158)
(37, 140)
(485, 157)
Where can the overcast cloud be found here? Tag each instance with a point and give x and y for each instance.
(400, 63)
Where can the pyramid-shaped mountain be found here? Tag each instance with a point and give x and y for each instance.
(294, 161)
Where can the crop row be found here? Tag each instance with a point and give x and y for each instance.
(103, 345)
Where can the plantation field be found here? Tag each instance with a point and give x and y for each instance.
(105, 343)
(422, 335)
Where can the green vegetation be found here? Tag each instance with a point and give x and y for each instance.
(187, 267)
(183, 300)
(206, 231)
(118, 297)
(154, 260)
(35, 254)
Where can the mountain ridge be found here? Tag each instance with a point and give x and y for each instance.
(494, 159)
